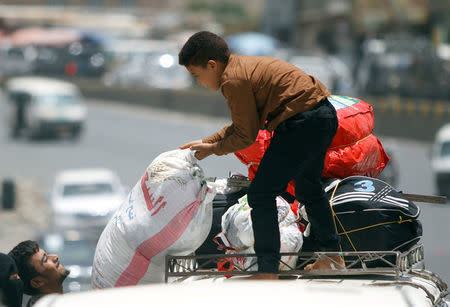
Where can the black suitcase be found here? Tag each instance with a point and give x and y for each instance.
(370, 215)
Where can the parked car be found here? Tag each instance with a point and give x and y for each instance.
(149, 63)
(377, 288)
(83, 198)
(15, 61)
(57, 51)
(440, 160)
(330, 70)
(75, 250)
(42, 107)
(404, 66)
(253, 43)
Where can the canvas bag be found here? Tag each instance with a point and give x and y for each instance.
(169, 211)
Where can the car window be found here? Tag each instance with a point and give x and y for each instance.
(445, 149)
(87, 189)
(56, 100)
(19, 97)
(80, 252)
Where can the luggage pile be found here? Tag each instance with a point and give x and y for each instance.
(173, 211)
(369, 214)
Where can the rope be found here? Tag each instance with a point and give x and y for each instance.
(333, 213)
(364, 138)
(354, 230)
(342, 226)
(379, 224)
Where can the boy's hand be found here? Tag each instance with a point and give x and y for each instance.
(190, 144)
(202, 150)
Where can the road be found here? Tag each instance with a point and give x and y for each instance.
(127, 138)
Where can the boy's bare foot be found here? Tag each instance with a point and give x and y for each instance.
(263, 276)
(327, 263)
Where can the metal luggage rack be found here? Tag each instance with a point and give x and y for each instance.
(356, 263)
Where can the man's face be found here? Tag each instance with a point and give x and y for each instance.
(51, 272)
(208, 76)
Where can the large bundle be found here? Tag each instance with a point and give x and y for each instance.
(353, 151)
(237, 233)
(169, 211)
(370, 215)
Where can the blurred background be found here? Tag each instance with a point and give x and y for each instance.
(91, 92)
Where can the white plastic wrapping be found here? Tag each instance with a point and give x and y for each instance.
(237, 233)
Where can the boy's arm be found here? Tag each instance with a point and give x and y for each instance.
(244, 114)
(220, 135)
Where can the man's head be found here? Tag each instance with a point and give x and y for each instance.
(40, 273)
(205, 56)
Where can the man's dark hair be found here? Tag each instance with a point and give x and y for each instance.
(202, 47)
(22, 255)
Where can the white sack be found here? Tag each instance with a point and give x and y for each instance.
(168, 212)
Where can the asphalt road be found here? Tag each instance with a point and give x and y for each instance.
(127, 138)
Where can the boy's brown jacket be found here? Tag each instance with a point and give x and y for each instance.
(260, 89)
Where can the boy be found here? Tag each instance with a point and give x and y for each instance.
(266, 93)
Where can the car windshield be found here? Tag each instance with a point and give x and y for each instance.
(445, 149)
(87, 189)
(57, 100)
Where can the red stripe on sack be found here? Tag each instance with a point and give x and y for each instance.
(149, 197)
(156, 244)
(145, 190)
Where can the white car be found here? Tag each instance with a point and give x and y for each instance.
(42, 106)
(416, 288)
(400, 279)
(440, 160)
(85, 197)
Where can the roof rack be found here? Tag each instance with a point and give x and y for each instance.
(356, 263)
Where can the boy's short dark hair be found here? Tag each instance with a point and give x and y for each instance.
(22, 255)
(202, 47)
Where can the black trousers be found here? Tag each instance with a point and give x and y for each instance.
(296, 152)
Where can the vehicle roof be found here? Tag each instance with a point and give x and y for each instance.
(85, 175)
(298, 292)
(41, 85)
(443, 133)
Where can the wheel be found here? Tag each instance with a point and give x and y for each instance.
(15, 133)
(34, 135)
(76, 133)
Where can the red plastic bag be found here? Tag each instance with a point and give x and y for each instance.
(252, 155)
(353, 151)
